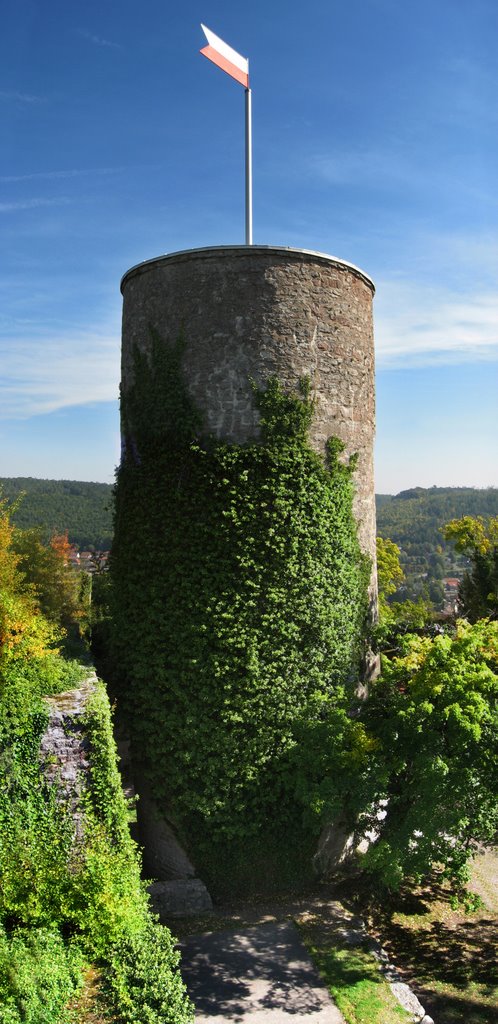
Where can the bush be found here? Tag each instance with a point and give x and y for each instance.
(39, 973)
(143, 979)
(55, 882)
(433, 720)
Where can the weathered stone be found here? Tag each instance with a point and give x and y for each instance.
(180, 898)
(336, 846)
(163, 856)
(261, 311)
(64, 748)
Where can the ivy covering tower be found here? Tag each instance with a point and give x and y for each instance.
(240, 597)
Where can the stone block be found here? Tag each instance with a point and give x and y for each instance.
(180, 898)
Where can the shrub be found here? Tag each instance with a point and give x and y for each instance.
(433, 717)
(143, 979)
(39, 973)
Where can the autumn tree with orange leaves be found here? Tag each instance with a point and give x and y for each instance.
(60, 589)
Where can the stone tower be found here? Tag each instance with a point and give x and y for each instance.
(245, 314)
(261, 311)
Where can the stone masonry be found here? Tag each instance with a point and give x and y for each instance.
(64, 748)
(65, 763)
(262, 311)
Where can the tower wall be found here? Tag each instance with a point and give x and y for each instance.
(261, 311)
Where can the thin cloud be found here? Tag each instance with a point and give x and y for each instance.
(43, 373)
(467, 88)
(21, 97)
(99, 40)
(55, 175)
(351, 168)
(423, 326)
(33, 204)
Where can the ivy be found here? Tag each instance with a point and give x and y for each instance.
(67, 894)
(239, 598)
(88, 888)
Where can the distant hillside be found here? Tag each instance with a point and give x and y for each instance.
(413, 520)
(83, 509)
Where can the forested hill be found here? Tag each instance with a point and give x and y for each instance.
(83, 509)
(415, 516)
(413, 520)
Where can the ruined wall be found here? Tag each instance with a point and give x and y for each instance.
(65, 761)
(64, 748)
(259, 311)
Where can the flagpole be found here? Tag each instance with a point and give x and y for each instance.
(237, 67)
(248, 167)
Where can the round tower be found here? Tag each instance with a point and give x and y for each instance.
(255, 312)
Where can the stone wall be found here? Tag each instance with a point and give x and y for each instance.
(65, 760)
(255, 312)
(64, 748)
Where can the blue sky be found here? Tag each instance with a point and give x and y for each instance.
(375, 140)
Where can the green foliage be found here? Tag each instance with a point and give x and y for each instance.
(55, 882)
(23, 631)
(106, 803)
(396, 618)
(389, 574)
(434, 717)
(411, 615)
(239, 598)
(107, 899)
(143, 979)
(414, 521)
(24, 680)
(38, 975)
(477, 538)
(36, 836)
(30, 665)
(331, 767)
(53, 506)
(60, 590)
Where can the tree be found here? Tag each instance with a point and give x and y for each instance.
(389, 574)
(11, 577)
(27, 639)
(477, 538)
(59, 587)
(432, 721)
(397, 615)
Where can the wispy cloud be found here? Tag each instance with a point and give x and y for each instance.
(351, 167)
(467, 89)
(34, 203)
(99, 40)
(55, 175)
(44, 372)
(21, 97)
(423, 326)
(397, 167)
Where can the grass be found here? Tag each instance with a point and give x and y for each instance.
(446, 955)
(353, 979)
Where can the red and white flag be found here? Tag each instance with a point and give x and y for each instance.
(226, 58)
